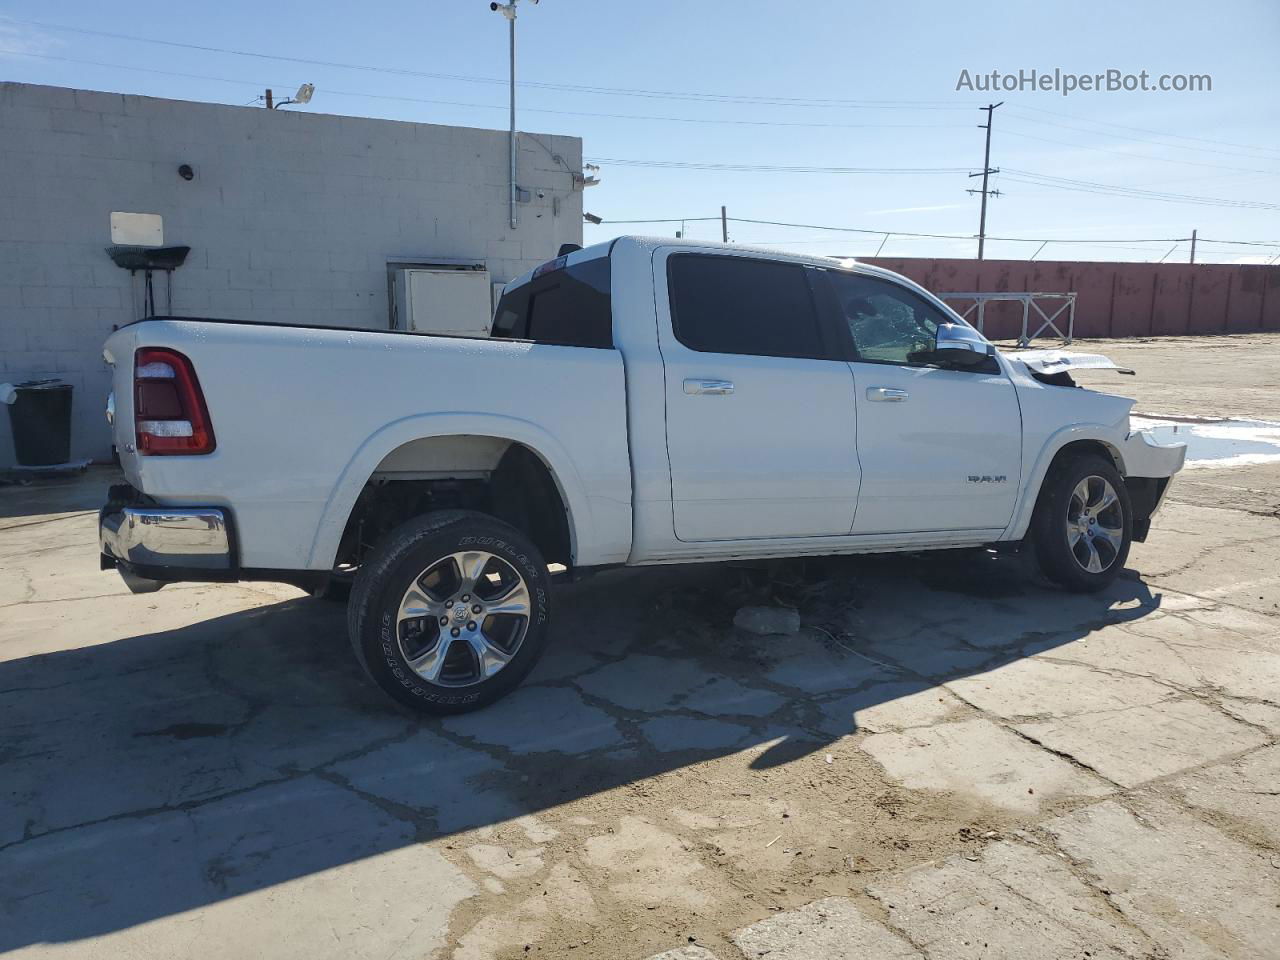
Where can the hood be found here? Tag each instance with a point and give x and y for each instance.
(1063, 361)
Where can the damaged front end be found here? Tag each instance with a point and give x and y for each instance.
(1054, 366)
(1095, 418)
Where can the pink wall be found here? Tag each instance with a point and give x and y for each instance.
(1114, 299)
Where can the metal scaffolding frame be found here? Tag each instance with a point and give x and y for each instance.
(1029, 301)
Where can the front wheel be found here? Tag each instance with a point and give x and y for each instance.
(1083, 524)
(450, 612)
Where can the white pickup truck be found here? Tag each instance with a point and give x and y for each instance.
(643, 401)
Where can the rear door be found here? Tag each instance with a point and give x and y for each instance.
(941, 449)
(760, 417)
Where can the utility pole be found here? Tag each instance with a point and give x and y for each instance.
(508, 10)
(724, 226)
(986, 172)
(1193, 246)
(270, 101)
(511, 133)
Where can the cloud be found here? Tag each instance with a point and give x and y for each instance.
(16, 40)
(940, 206)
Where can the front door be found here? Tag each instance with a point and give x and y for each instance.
(941, 449)
(761, 428)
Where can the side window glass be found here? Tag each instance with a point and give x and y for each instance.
(888, 323)
(510, 323)
(568, 306)
(572, 306)
(724, 304)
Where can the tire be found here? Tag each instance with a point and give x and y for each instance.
(1080, 555)
(416, 577)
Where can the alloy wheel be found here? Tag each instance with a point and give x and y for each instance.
(463, 619)
(1095, 524)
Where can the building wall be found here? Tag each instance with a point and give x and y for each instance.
(1113, 299)
(292, 216)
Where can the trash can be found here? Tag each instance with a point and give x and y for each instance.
(40, 415)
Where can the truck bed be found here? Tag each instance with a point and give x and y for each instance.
(304, 416)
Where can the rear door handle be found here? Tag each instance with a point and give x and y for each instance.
(710, 387)
(886, 394)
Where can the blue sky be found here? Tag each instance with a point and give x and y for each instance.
(887, 74)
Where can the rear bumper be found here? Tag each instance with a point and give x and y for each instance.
(151, 545)
(193, 538)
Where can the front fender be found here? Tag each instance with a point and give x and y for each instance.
(1136, 455)
(1113, 439)
(373, 451)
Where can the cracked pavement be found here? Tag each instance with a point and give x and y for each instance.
(949, 760)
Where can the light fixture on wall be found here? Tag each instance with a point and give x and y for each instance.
(592, 218)
(304, 94)
(186, 172)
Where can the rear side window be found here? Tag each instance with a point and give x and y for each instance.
(570, 306)
(725, 304)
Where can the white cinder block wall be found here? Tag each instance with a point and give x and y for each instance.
(292, 217)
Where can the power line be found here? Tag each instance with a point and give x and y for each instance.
(1230, 205)
(1247, 243)
(620, 91)
(329, 91)
(1111, 189)
(666, 119)
(1147, 140)
(569, 87)
(632, 92)
(1017, 175)
(895, 233)
(1133, 156)
(1105, 245)
(666, 220)
(1172, 136)
(1013, 173)
(767, 168)
(122, 66)
(1088, 241)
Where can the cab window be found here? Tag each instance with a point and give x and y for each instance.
(739, 305)
(888, 322)
(569, 306)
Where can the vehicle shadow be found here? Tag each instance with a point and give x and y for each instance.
(169, 771)
(43, 498)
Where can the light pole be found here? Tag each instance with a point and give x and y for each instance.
(508, 10)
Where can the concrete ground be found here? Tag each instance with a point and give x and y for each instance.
(949, 760)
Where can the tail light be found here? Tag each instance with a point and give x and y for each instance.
(170, 416)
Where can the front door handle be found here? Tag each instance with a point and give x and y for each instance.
(710, 387)
(886, 394)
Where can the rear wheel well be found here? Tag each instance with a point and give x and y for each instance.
(511, 483)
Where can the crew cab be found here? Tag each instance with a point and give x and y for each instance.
(644, 401)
